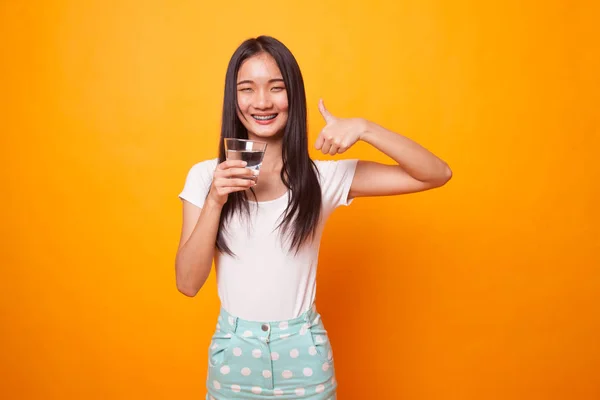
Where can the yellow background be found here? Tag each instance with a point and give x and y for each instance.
(484, 289)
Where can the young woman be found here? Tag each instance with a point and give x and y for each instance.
(264, 231)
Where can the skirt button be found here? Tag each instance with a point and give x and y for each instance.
(265, 327)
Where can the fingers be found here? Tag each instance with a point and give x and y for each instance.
(240, 173)
(329, 145)
(231, 164)
(232, 176)
(235, 168)
(324, 112)
(229, 185)
(320, 142)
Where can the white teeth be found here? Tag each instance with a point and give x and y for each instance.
(264, 117)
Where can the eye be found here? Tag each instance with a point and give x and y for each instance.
(245, 89)
(277, 88)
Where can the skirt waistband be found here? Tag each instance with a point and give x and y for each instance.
(231, 324)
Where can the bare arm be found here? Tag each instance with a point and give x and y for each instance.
(196, 246)
(201, 225)
(418, 169)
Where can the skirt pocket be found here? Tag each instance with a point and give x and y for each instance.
(219, 348)
(320, 341)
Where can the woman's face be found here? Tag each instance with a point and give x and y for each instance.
(262, 97)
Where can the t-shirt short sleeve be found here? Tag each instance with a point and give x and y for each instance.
(198, 181)
(336, 179)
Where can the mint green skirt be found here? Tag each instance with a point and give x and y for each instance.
(258, 360)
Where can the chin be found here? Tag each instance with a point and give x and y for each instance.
(268, 134)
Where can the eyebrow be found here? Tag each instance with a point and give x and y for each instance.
(249, 81)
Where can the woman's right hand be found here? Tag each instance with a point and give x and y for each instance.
(230, 176)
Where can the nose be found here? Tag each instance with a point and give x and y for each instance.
(263, 100)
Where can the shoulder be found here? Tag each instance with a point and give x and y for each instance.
(203, 168)
(202, 171)
(335, 178)
(330, 169)
(203, 165)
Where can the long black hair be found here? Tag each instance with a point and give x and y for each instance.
(299, 172)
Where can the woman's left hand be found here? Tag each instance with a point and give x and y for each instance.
(339, 134)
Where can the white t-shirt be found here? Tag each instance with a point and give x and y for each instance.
(265, 281)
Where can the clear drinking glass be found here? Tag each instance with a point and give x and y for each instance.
(251, 151)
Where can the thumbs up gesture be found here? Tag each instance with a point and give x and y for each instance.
(339, 134)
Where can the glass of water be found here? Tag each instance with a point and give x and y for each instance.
(251, 151)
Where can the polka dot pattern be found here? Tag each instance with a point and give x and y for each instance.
(287, 374)
(290, 359)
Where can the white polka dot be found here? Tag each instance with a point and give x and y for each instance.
(300, 392)
(330, 354)
(304, 329)
(256, 390)
(307, 371)
(256, 353)
(214, 346)
(267, 373)
(237, 352)
(284, 335)
(247, 334)
(312, 350)
(225, 369)
(283, 325)
(217, 385)
(320, 388)
(333, 381)
(319, 339)
(287, 374)
(228, 335)
(316, 320)
(278, 392)
(211, 398)
(325, 366)
(231, 321)
(218, 326)
(274, 356)
(246, 371)
(294, 353)
(236, 388)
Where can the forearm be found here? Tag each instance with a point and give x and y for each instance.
(194, 258)
(417, 161)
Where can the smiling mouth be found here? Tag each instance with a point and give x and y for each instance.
(264, 117)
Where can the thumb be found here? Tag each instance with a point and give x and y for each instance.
(326, 114)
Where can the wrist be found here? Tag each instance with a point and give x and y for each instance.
(367, 130)
(213, 204)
